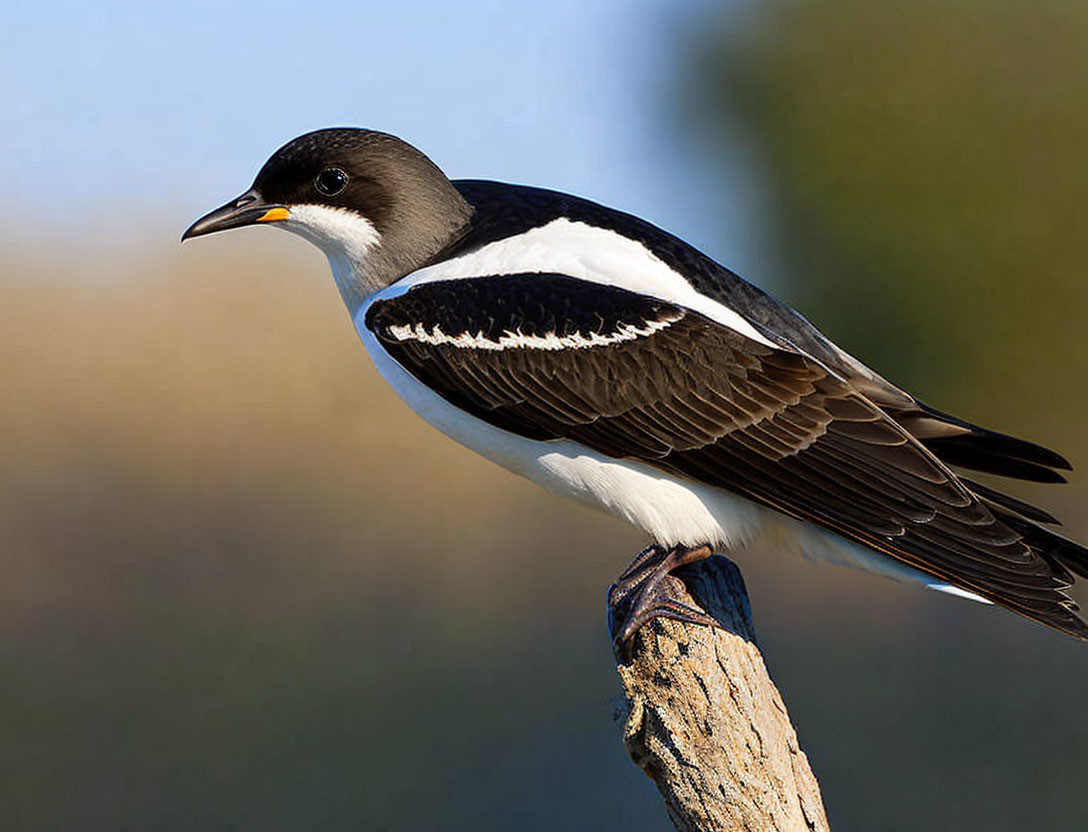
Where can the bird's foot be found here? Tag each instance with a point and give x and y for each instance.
(647, 589)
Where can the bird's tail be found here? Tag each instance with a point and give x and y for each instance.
(963, 445)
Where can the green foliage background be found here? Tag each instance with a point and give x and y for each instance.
(926, 161)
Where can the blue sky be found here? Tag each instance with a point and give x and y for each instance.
(160, 112)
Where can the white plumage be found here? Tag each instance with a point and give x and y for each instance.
(582, 251)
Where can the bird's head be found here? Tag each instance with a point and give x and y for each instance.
(375, 205)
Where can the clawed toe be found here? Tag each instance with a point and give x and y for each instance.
(647, 590)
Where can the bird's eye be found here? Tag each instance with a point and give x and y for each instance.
(331, 181)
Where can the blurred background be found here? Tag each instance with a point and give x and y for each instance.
(242, 588)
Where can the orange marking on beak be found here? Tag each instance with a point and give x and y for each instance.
(274, 215)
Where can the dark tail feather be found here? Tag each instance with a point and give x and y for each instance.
(1052, 546)
(1066, 558)
(999, 499)
(969, 452)
(979, 449)
(1060, 552)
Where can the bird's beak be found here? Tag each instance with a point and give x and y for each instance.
(247, 209)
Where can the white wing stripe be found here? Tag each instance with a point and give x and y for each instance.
(585, 252)
(519, 340)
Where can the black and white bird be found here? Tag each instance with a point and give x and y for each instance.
(611, 362)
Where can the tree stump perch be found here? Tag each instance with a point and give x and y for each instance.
(707, 724)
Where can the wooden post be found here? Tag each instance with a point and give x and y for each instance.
(706, 723)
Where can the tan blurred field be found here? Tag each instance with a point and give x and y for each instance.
(230, 555)
(206, 491)
(148, 420)
(224, 538)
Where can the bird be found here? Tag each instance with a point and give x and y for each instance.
(611, 362)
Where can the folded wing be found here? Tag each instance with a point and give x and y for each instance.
(548, 357)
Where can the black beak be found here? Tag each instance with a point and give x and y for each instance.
(247, 209)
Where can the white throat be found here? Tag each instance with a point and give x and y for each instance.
(347, 239)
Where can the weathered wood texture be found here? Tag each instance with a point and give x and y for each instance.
(707, 724)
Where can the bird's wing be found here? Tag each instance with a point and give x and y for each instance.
(548, 356)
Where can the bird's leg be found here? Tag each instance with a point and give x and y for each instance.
(647, 589)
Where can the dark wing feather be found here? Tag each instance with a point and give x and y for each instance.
(668, 386)
(996, 499)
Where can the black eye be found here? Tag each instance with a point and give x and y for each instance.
(331, 181)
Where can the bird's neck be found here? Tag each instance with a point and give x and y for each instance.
(351, 280)
(365, 259)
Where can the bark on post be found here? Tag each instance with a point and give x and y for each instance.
(706, 723)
